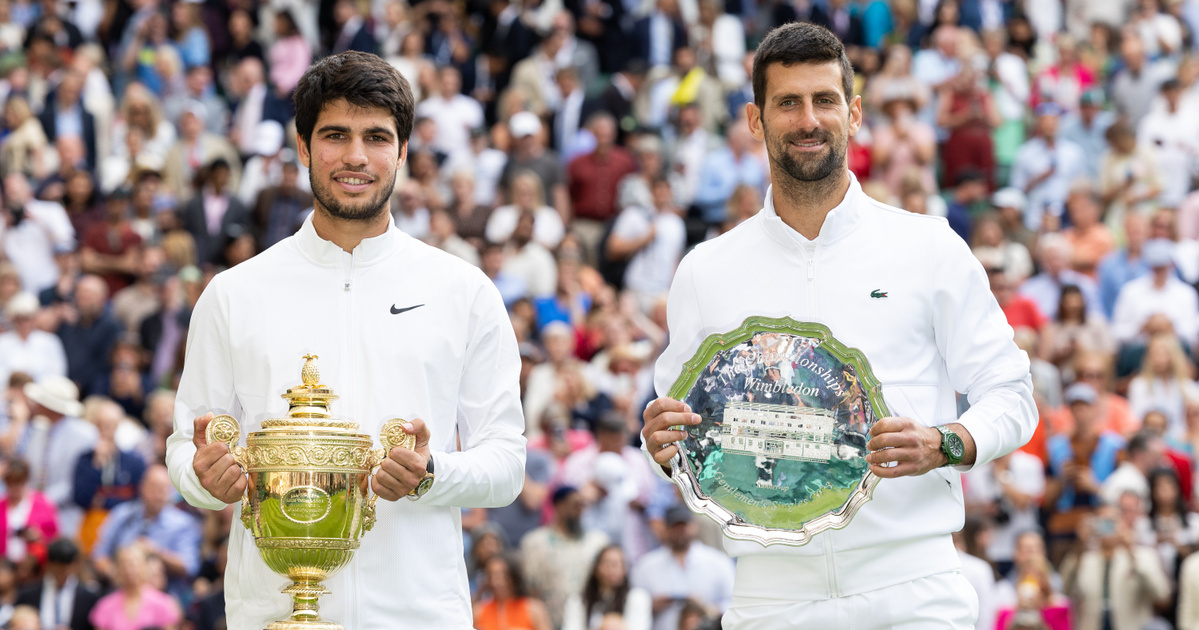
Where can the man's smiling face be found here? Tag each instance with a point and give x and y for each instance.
(353, 160)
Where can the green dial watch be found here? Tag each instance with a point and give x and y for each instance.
(425, 483)
(952, 445)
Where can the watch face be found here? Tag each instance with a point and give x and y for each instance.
(957, 448)
(424, 485)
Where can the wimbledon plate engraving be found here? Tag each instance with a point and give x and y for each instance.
(786, 410)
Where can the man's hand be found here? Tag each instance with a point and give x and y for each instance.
(403, 469)
(214, 465)
(660, 416)
(915, 448)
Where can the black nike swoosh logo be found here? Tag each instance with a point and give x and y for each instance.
(397, 311)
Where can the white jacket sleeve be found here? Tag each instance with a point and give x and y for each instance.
(981, 358)
(206, 385)
(684, 322)
(489, 471)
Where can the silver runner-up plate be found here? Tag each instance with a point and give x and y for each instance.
(779, 455)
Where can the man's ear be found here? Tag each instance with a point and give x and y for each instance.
(302, 150)
(403, 155)
(753, 117)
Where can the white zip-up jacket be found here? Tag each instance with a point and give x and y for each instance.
(937, 331)
(451, 361)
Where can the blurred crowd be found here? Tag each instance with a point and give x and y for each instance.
(574, 150)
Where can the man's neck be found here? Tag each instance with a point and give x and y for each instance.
(804, 205)
(347, 234)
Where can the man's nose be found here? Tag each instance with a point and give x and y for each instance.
(356, 152)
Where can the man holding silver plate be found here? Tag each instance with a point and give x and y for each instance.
(808, 398)
(417, 346)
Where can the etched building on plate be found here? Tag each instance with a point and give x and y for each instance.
(777, 431)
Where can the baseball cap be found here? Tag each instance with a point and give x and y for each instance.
(524, 124)
(677, 515)
(1094, 96)
(1009, 198)
(1081, 392)
(1158, 252)
(1050, 108)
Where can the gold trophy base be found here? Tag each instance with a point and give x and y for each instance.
(305, 613)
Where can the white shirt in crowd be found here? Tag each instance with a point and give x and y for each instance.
(30, 246)
(1049, 197)
(1139, 299)
(652, 267)
(39, 356)
(548, 229)
(454, 117)
(706, 574)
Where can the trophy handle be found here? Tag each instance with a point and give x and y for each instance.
(390, 436)
(225, 428)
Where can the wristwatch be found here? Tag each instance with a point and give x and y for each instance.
(952, 445)
(425, 483)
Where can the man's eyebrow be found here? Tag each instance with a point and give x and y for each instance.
(346, 130)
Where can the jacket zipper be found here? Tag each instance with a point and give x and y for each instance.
(350, 385)
(810, 252)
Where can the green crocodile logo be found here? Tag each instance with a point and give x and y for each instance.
(878, 293)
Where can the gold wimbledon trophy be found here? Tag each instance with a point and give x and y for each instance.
(307, 502)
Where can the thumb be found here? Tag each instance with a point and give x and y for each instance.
(417, 427)
(200, 432)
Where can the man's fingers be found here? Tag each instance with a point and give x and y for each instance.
(200, 434)
(417, 427)
(402, 472)
(660, 439)
(208, 456)
(891, 472)
(890, 425)
(663, 456)
(893, 440)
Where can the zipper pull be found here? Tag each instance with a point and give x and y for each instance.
(811, 267)
(347, 284)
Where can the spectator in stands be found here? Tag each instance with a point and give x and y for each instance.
(24, 147)
(30, 519)
(1124, 264)
(1054, 254)
(1079, 462)
(66, 115)
(1095, 369)
(1031, 585)
(529, 153)
(1090, 240)
(196, 149)
(1163, 384)
(683, 569)
(1074, 331)
(558, 555)
(658, 35)
(107, 475)
(1087, 127)
(1158, 302)
(1134, 86)
(968, 113)
(60, 599)
(1174, 133)
(88, 332)
(54, 434)
(215, 215)
(1113, 579)
(903, 142)
(168, 533)
(453, 112)
(994, 249)
(510, 605)
(289, 56)
(651, 240)
(526, 188)
(1021, 311)
(608, 592)
(593, 179)
(25, 348)
(110, 248)
(137, 603)
(1144, 454)
(1045, 168)
(725, 170)
(33, 231)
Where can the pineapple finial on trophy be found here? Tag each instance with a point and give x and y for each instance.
(309, 373)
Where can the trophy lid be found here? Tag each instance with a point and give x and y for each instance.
(308, 404)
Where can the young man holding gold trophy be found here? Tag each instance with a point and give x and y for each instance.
(403, 332)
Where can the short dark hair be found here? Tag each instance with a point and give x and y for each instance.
(62, 551)
(799, 42)
(363, 80)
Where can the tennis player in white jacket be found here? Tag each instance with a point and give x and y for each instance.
(401, 329)
(906, 291)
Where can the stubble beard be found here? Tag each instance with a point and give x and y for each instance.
(365, 211)
(816, 169)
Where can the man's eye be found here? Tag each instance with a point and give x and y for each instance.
(788, 103)
(334, 136)
(378, 139)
